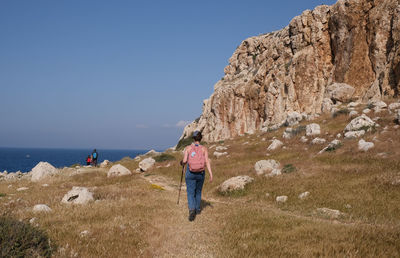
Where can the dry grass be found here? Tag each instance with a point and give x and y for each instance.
(134, 216)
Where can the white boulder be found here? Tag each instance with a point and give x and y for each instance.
(318, 141)
(41, 208)
(78, 195)
(303, 139)
(354, 134)
(365, 146)
(293, 118)
(22, 189)
(378, 104)
(105, 163)
(331, 146)
(275, 145)
(220, 154)
(333, 214)
(235, 183)
(304, 195)
(340, 92)
(366, 111)
(288, 133)
(221, 148)
(282, 198)
(313, 129)
(118, 170)
(394, 106)
(42, 170)
(353, 113)
(266, 166)
(146, 164)
(326, 105)
(359, 123)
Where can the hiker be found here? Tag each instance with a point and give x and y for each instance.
(196, 158)
(95, 155)
(88, 160)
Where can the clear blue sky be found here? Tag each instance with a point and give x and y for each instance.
(118, 74)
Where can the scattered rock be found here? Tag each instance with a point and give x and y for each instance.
(221, 148)
(326, 105)
(288, 133)
(235, 183)
(303, 139)
(394, 106)
(42, 170)
(365, 146)
(333, 214)
(275, 172)
(118, 170)
(41, 208)
(32, 220)
(304, 195)
(377, 104)
(146, 164)
(45, 185)
(220, 154)
(331, 146)
(266, 166)
(293, 118)
(339, 135)
(282, 198)
(318, 141)
(275, 145)
(104, 164)
(366, 111)
(353, 104)
(353, 113)
(78, 195)
(313, 129)
(359, 123)
(84, 233)
(354, 134)
(22, 189)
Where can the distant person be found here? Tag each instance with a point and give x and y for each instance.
(88, 160)
(196, 157)
(95, 156)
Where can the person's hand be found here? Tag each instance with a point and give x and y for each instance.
(182, 164)
(211, 178)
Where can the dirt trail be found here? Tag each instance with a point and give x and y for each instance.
(173, 235)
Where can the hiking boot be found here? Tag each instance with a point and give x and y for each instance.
(198, 212)
(192, 215)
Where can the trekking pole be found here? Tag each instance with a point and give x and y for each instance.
(180, 185)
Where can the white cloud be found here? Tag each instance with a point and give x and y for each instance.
(182, 123)
(142, 126)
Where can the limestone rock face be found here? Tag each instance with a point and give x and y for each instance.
(42, 170)
(347, 51)
(118, 170)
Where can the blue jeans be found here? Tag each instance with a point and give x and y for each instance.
(194, 185)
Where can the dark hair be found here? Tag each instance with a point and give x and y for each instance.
(197, 136)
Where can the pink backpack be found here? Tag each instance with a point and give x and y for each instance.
(196, 159)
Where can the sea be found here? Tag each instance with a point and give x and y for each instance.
(24, 159)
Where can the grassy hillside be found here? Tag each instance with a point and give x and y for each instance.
(138, 216)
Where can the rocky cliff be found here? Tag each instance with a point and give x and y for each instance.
(354, 43)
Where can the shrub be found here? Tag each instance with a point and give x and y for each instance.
(343, 111)
(183, 143)
(288, 168)
(2, 194)
(333, 147)
(75, 165)
(164, 157)
(299, 129)
(19, 239)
